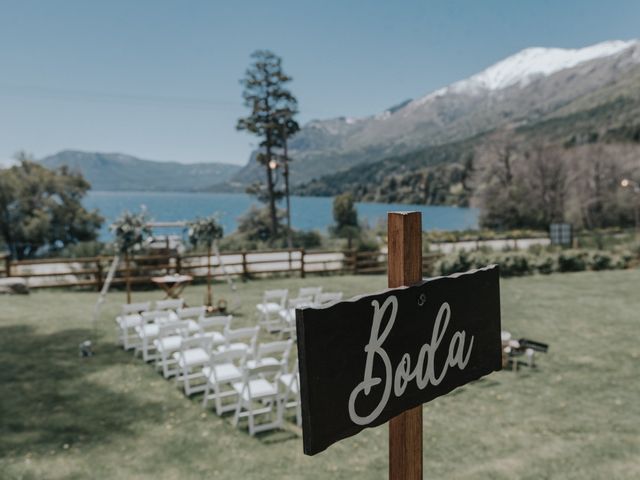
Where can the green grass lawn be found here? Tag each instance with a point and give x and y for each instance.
(111, 416)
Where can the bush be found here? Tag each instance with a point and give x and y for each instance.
(514, 264)
(517, 263)
(82, 249)
(545, 264)
(601, 260)
(457, 262)
(572, 261)
(306, 238)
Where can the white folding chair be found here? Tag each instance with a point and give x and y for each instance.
(290, 396)
(258, 395)
(224, 369)
(328, 297)
(273, 301)
(168, 342)
(170, 304)
(273, 353)
(312, 292)
(148, 330)
(301, 301)
(214, 327)
(192, 315)
(288, 315)
(193, 356)
(126, 322)
(241, 338)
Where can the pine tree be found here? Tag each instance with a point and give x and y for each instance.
(272, 108)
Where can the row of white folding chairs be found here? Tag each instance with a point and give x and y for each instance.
(175, 336)
(131, 314)
(276, 313)
(237, 375)
(206, 355)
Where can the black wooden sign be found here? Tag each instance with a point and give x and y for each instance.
(368, 359)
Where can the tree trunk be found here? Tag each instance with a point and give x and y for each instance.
(285, 174)
(209, 293)
(272, 198)
(128, 273)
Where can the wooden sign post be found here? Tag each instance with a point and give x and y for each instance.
(404, 231)
(378, 358)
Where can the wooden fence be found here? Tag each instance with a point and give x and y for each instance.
(91, 272)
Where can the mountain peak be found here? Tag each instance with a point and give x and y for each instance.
(521, 68)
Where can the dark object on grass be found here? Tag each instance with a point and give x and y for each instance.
(85, 349)
(537, 346)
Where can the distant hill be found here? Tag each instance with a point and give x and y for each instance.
(119, 172)
(542, 87)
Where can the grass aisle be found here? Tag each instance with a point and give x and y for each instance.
(111, 416)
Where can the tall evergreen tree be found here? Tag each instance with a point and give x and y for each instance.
(287, 127)
(272, 106)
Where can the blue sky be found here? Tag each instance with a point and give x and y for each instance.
(159, 79)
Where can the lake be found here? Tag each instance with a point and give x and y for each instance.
(307, 213)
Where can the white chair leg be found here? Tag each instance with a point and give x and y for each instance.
(251, 422)
(218, 400)
(236, 417)
(205, 399)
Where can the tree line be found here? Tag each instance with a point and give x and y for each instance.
(531, 184)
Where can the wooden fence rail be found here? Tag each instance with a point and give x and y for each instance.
(91, 271)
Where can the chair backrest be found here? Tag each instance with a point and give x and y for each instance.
(309, 292)
(194, 313)
(155, 316)
(276, 296)
(171, 304)
(178, 327)
(293, 383)
(232, 355)
(196, 342)
(139, 307)
(267, 372)
(328, 297)
(215, 324)
(301, 302)
(248, 335)
(280, 349)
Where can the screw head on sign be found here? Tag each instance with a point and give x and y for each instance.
(422, 299)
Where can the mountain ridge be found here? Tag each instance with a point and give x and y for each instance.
(122, 172)
(454, 113)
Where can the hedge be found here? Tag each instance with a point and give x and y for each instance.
(518, 263)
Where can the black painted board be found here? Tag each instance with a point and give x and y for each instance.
(452, 323)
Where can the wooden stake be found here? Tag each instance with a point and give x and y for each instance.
(126, 259)
(404, 231)
(209, 294)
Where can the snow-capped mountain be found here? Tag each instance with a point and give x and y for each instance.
(531, 63)
(524, 87)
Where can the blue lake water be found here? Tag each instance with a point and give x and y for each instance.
(307, 213)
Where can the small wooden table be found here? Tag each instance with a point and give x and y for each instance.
(173, 285)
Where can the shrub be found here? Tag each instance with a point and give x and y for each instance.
(600, 260)
(545, 264)
(514, 264)
(456, 262)
(306, 238)
(572, 261)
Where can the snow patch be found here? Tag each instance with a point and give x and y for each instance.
(351, 120)
(520, 69)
